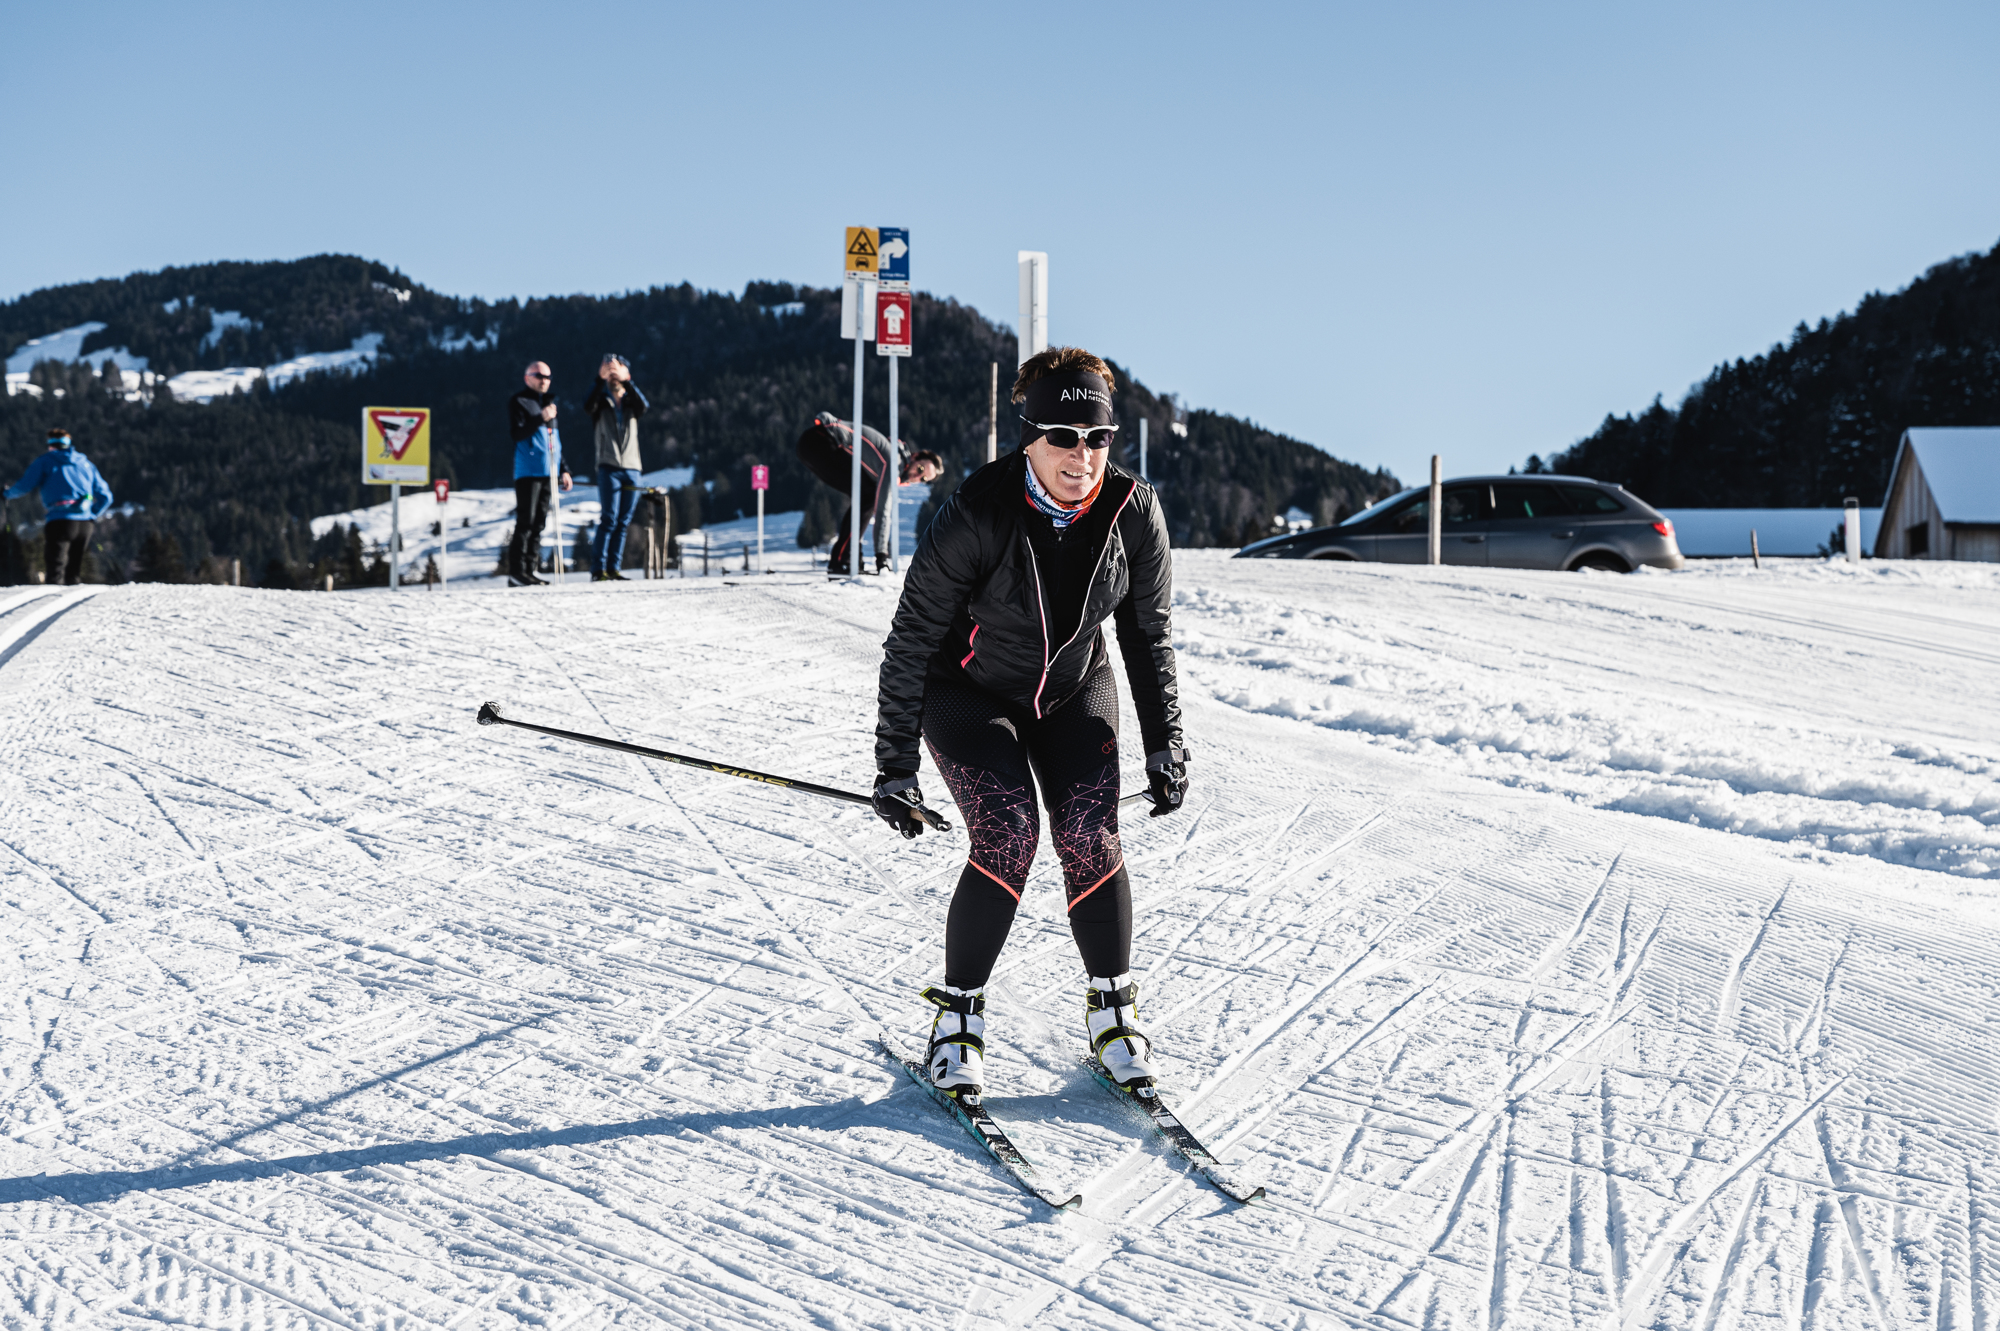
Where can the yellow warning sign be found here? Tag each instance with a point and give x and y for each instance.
(864, 249)
(395, 446)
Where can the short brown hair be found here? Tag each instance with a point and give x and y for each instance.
(1054, 361)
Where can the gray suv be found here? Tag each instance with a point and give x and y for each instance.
(1553, 522)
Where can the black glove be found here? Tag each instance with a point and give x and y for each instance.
(897, 800)
(1166, 779)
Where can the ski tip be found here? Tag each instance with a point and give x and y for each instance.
(1074, 1203)
(489, 714)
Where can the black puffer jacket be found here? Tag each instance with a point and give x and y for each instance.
(974, 603)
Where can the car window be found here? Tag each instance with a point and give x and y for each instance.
(1589, 499)
(1462, 504)
(1513, 500)
(1373, 511)
(1465, 503)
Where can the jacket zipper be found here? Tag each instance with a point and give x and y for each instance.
(1035, 564)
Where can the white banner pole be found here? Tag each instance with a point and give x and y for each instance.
(555, 498)
(861, 294)
(893, 478)
(395, 537)
(760, 531)
(1142, 450)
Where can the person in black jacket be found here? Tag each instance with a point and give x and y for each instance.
(531, 420)
(997, 659)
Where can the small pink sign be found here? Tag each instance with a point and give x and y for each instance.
(760, 478)
(442, 487)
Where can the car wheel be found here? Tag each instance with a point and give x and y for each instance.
(1340, 555)
(1601, 561)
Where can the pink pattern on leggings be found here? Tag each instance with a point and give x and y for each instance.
(1004, 824)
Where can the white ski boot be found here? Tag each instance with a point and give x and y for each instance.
(1111, 1019)
(956, 1056)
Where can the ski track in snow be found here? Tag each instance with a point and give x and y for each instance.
(1558, 950)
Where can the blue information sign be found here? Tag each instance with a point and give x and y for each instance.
(894, 265)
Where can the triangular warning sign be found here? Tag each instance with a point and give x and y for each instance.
(398, 430)
(862, 244)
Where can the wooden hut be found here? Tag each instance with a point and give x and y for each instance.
(1944, 497)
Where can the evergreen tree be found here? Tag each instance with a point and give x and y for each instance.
(160, 559)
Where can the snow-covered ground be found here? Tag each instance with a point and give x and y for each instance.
(476, 523)
(331, 1008)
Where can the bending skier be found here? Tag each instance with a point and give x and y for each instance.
(997, 659)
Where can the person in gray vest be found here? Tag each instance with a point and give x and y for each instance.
(615, 405)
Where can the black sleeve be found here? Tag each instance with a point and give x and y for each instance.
(524, 415)
(935, 590)
(598, 400)
(1145, 624)
(635, 401)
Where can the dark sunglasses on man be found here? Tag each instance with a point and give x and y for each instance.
(1069, 436)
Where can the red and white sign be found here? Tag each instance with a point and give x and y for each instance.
(760, 478)
(442, 487)
(892, 323)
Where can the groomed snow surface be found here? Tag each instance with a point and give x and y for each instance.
(1559, 950)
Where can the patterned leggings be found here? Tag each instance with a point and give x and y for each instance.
(986, 750)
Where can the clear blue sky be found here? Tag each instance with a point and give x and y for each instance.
(1387, 229)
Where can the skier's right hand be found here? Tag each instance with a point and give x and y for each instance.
(897, 800)
(1166, 780)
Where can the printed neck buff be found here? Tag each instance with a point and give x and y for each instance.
(1068, 397)
(1059, 513)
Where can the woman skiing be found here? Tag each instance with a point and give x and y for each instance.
(997, 659)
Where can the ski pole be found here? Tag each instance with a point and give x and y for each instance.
(490, 715)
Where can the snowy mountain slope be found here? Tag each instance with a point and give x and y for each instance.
(334, 1009)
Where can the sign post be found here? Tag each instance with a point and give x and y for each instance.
(395, 451)
(892, 339)
(858, 291)
(1142, 450)
(760, 481)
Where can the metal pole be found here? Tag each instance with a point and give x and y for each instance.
(1853, 516)
(893, 478)
(444, 540)
(993, 416)
(1437, 509)
(854, 480)
(555, 496)
(760, 531)
(395, 536)
(1142, 450)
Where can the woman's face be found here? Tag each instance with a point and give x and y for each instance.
(1070, 474)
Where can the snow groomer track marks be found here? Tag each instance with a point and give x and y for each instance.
(336, 1009)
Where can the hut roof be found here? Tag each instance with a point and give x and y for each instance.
(1963, 468)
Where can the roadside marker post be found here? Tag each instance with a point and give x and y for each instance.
(1437, 510)
(993, 415)
(395, 451)
(1142, 450)
(1852, 517)
(760, 481)
(441, 487)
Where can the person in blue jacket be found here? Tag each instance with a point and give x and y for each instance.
(531, 420)
(75, 495)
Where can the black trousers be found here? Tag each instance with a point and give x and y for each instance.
(992, 754)
(531, 514)
(837, 558)
(65, 541)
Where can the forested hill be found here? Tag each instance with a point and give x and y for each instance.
(732, 381)
(1816, 419)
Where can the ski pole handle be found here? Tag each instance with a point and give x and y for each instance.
(491, 715)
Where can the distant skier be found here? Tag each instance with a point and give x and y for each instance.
(827, 449)
(614, 406)
(75, 495)
(531, 419)
(996, 658)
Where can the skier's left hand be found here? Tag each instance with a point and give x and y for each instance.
(897, 799)
(1166, 780)
(566, 482)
